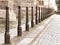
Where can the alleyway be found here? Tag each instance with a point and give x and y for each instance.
(51, 36)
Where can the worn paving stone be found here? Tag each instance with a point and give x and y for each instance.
(52, 34)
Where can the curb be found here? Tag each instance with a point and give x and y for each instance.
(36, 34)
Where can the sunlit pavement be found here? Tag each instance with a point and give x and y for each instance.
(51, 35)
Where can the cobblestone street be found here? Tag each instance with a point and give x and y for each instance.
(51, 35)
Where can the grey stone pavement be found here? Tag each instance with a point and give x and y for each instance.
(51, 35)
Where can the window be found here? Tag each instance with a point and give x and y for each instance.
(41, 2)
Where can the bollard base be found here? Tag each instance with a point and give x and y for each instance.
(32, 24)
(27, 27)
(7, 38)
(39, 20)
(19, 31)
(36, 21)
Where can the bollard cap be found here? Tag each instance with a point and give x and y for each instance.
(7, 7)
(19, 6)
(32, 7)
(26, 7)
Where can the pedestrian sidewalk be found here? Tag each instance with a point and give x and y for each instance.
(30, 37)
(51, 34)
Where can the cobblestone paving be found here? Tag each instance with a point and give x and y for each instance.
(52, 34)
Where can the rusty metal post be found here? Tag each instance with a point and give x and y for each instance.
(43, 13)
(7, 35)
(36, 21)
(27, 20)
(39, 15)
(32, 18)
(48, 13)
(19, 30)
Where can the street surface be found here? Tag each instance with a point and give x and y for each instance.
(51, 35)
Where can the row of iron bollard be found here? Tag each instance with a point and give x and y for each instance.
(38, 19)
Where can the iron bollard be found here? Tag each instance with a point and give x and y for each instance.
(7, 35)
(39, 15)
(46, 13)
(32, 18)
(43, 13)
(19, 30)
(36, 21)
(27, 20)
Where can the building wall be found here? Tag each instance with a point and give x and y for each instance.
(50, 4)
(9, 3)
(24, 3)
(13, 5)
(3, 4)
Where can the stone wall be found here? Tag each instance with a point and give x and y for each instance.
(3, 4)
(13, 5)
(23, 4)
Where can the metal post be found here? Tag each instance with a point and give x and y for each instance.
(32, 18)
(43, 13)
(46, 12)
(36, 21)
(27, 20)
(7, 35)
(19, 22)
(39, 15)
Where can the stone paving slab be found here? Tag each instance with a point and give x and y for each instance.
(31, 37)
(51, 35)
